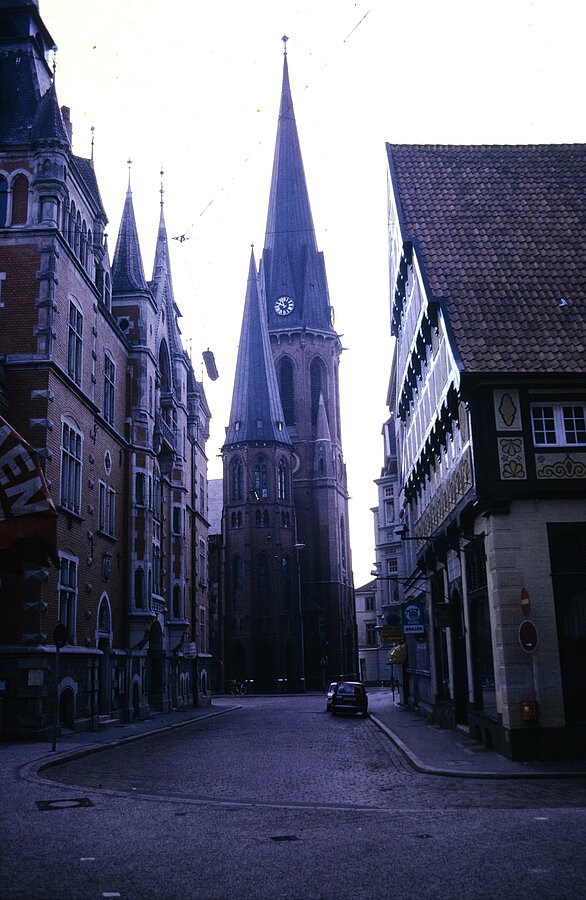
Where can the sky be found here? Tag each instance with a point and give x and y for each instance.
(192, 87)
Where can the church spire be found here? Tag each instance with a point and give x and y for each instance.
(162, 265)
(292, 266)
(127, 267)
(256, 414)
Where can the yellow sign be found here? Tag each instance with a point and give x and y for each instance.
(392, 634)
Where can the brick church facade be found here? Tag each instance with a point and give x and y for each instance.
(289, 619)
(93, 375)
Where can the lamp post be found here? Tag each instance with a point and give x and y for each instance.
(300, 546)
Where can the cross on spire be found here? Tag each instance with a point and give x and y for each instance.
(285, 39)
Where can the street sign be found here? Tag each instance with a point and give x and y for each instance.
(391, 634)
(412, 614)
(528, 636)
(190, 650)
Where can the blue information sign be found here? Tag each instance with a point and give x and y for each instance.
(412, 615)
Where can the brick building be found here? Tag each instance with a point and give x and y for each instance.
(95, 378)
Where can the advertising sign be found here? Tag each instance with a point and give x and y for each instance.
(412, 615)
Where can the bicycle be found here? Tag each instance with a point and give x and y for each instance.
(238, 687)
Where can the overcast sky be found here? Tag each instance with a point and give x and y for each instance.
(193, 86)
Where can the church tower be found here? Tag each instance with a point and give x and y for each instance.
(262, 630)
(305, 351)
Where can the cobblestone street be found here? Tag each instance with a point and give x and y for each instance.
(268, 798)
(288, 751)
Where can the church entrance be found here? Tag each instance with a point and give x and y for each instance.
(264, 678)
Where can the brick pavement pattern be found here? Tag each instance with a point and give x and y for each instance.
(289, 751)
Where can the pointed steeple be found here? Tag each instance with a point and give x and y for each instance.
(48, 125)
(291, 264)
(256, 414)
(162, 264)
(322, 428)
(127, 267)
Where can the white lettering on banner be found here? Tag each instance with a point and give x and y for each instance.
(23, 493)
(15, 460)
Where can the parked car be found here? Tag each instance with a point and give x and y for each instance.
(347, 696)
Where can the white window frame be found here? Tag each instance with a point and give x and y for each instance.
(68, 594)
(556, 424)
(71, 463)
(109, 388)
(74, 342)
(111, 520)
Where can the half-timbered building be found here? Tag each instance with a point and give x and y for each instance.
(487, 261)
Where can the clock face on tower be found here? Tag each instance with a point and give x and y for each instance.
(284, 306)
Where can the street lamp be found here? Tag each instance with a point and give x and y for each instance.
(300, 546)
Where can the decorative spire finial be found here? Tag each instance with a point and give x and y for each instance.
(285, 39)
(129, 163)
(162, 190)
(92, 129)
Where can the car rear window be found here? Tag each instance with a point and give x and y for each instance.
(349, 689)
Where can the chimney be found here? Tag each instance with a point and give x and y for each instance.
(66, 113)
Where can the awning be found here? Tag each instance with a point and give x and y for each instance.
(28, 518)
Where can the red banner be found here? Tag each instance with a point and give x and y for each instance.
(28, 518)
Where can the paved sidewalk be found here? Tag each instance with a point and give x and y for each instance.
(75, 744)
(440, 751)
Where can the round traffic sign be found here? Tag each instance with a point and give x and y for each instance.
(528, 636)
(60, 635)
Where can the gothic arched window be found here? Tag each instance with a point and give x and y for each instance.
(139, 588)
(262, 572)
(20, 200)
(237, 574)
(261, 478)
(286, 389)
(317, 386)
(237, 480)
(3, 200)
(283, 480)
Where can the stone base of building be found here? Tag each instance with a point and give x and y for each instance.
(92, 695)
(529, 743)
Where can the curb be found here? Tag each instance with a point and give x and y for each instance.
(420, 766)
(38, 766)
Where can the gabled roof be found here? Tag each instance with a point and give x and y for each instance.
(501, 231)
(127, 267)
(291, 263)
(88, 176)
(256, 414)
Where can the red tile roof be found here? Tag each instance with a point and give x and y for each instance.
(501, 231)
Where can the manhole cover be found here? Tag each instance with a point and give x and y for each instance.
(63, 804)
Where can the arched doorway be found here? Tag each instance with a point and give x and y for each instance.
(155, 666)
(105, 665)
(67, 708)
